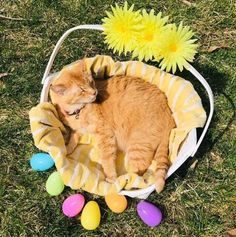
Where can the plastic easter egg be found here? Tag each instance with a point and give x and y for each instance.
(149, 213)
(54, 184)
(41, 162)
(117, 203)
(73, 205)
(91, 216)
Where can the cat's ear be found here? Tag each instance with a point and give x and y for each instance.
(58, 89)
(83, 65)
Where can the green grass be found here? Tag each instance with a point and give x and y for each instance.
(198, 201)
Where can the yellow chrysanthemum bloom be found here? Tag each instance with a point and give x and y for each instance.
(176, 48)
(121, 28)
(148, 36)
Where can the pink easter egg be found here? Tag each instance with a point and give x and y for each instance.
(73, 205)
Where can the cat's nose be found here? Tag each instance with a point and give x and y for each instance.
(95, 92)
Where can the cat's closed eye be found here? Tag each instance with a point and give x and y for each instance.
(82, 89)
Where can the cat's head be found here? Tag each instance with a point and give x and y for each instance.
(73, 88)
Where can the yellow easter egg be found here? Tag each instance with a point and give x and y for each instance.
(117, 203)
(91, 216)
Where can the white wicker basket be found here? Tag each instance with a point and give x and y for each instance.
(191, 144)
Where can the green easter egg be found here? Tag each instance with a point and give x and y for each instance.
(54, 184)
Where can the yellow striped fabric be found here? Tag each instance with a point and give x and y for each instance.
(81, 169)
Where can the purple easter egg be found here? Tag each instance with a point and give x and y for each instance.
(73, 205)
(149, 213)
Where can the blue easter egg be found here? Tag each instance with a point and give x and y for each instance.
(41, 162)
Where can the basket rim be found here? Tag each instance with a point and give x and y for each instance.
(183, 154)
(143, 193)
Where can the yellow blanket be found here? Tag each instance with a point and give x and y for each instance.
(81, 169)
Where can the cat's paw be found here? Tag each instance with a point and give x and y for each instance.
(111, 179)
(159, 185)
(160, 179)
(148, 177)
(110, 173)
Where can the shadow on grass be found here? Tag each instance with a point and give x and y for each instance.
(218, 82)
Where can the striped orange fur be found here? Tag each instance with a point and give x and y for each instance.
(128, 114)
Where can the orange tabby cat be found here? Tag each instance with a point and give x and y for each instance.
(123, 112)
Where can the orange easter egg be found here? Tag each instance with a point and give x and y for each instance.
(117, 203)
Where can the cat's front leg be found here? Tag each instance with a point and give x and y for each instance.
(108, 151)
(74, 138)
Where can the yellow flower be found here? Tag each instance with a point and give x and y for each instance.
(148, 36)
(176, 48)
(121, 28)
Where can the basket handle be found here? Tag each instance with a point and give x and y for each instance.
(202, 80)
(61, 40)
(195, 73)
